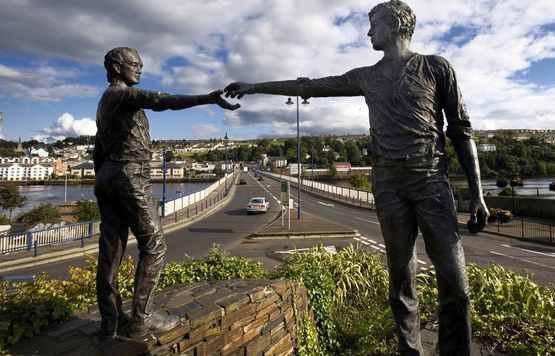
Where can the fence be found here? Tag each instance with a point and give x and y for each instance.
(353, 196)
(526, 229)
(185, 207)
(34, 239)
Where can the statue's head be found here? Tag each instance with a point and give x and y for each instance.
(125, 64)
(391, 18)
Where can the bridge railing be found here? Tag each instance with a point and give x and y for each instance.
(185, 207)
(34, 239)
(350, 195)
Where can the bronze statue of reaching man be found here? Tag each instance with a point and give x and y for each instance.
(408, 97)
(124, 193)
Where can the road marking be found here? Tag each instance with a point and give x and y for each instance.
(367, 220)
(531, 251)
(362, 241)
(381, 245)
(422, 262)
(368, 239)
(326, 204)
(521, 259)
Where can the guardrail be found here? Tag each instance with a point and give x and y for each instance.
(525, 229)
(34, 239)
(185, 207)
(349, 195)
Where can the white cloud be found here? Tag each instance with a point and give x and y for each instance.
(204, 130)
(42, 83)
(260, 40)
(66, 125)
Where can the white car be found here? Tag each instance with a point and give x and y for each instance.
(257, 205)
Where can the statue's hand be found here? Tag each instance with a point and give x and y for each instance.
(216, 98)
(238, 89)
(479, 214)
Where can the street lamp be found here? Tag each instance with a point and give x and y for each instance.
(305, 102)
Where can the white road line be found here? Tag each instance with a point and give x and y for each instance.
(381, 245)
(531, 251)
(422, 262)
(367, 220)
(522, 259)
(362, 241)
(368, 239)
(326, 204)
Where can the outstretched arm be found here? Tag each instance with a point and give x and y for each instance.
(342, 85)
(158, 101)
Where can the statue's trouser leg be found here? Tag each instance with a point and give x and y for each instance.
(141, 212)
(399, 229)
(112, 244)
(437, 219)
(403, 204)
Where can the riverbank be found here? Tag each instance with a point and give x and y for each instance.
(90, 181)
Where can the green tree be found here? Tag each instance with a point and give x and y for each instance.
(44, 213)
(87, 211)
(332, 170)
(353, 153)
(4, 220)
(11, 199)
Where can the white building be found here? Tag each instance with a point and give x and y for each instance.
(23, 172)
(486, 147)
(41, 152)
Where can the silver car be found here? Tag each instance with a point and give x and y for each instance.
(257, 205)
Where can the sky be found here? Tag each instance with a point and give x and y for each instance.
(52, 74)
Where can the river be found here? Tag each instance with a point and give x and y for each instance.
(54, 194)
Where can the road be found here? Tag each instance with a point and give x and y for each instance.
(523, 257)
(226, 227)
(230, 225)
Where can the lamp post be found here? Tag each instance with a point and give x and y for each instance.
(305, 102)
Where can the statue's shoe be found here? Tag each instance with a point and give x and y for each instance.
(157, 322)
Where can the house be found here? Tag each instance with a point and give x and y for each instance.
(486, 147)
(278, 162)
(41, 152)
(83, 170)
(342, 166)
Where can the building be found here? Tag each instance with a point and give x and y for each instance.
(24, 172)
(486, 147)
(83, 170)
(41, 152)
(278, 162)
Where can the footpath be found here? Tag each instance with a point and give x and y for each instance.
(10, 263)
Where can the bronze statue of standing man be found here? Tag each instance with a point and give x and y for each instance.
(408, 97)
(124, 193)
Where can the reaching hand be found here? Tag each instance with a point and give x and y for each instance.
(216, 98)
(238, 89)
(479, 214)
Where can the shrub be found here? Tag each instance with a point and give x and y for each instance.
(507, 192)
(87, 211)
(4, 220)
(510, 313)
(31, 307)
(348, 295)
(44, 213)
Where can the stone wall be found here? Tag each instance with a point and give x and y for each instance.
(236, 317)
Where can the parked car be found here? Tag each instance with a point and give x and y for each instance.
(257, 205)
(501, 215)
(242, 181)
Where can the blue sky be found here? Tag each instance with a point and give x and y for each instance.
(51, 54)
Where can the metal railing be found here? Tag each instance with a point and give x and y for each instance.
(525, 229)
(353, 196)
(186, 207)
(32, 240)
